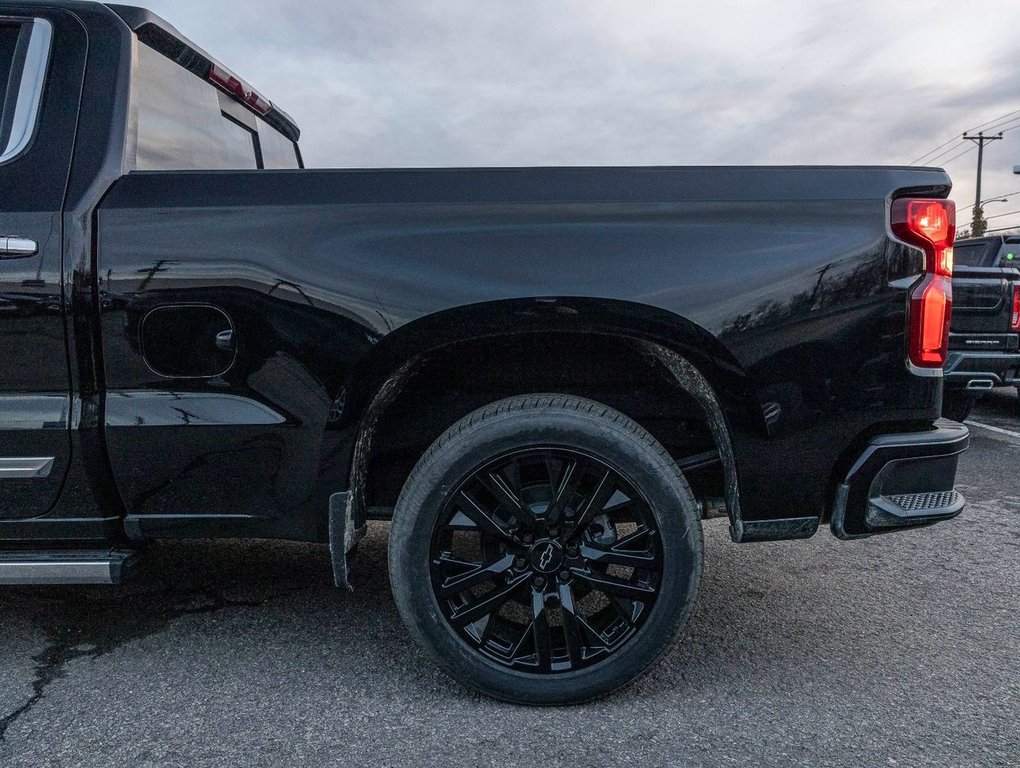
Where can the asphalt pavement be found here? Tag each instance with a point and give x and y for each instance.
(899, 650)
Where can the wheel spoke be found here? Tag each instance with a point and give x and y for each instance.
(488, 603)
(614, 587)
(487, 628)
(491, 560)
(554, 468)
(540, 630)
(615, 508)
(571, 625)
(563, 487)
(633, 541)
(594, 504)
(582, 590)
(508, 499)
(477, 575)
(450, 564)
(615, 556)
(626, 614)
(482, 519)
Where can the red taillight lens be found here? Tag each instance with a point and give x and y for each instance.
(930, 219)
(930, 307)
(1014, 321)
(931, 226)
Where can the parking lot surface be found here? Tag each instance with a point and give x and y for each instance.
(896, 650)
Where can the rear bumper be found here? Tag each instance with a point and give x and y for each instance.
(981, 370)
(901, 481)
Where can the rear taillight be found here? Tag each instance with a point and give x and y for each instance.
(239, 89)
(1014, 319)
(931, 226)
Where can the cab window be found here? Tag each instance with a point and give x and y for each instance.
(24, 56)
(186, 123)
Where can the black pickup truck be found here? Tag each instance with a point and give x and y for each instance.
(985, 324)
(546, 378)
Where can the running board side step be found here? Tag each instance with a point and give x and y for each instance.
(57, 566)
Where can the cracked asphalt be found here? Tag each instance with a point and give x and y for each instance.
(897, 650)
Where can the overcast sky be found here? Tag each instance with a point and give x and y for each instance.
(596, 82)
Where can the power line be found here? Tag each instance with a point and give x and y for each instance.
(969, 130)
(1001, 124)
(954, 139)
(961, 142)
(953, 148)
(1000, 215)
(984, 125)
(1002, 229)
(975, 128)
(954, 157)
(1011, 194)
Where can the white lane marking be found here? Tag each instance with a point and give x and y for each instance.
(990, 428)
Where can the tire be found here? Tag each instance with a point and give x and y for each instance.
(535, 626)
(957, 404)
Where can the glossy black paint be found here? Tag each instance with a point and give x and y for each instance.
(35, 410)
(88, 507)
(913, 463)
(334, 279)
(780, 285)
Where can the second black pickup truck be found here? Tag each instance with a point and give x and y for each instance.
(546, 378)
(985, 327)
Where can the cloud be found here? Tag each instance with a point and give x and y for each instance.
(554, 82)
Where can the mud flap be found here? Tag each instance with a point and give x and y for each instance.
(344, 535)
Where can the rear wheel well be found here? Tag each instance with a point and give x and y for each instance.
(453, 381)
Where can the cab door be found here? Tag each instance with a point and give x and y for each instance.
(41, 67)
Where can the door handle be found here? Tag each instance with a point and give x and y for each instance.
(17, 247)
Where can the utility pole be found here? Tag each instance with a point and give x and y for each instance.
(978, 225)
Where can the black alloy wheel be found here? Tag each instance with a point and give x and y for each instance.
(546, 560)
(546, 549)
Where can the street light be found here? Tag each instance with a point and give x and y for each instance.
(980, 223)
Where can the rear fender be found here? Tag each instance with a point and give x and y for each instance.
(696, 360)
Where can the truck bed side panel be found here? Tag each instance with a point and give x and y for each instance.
(788, 271)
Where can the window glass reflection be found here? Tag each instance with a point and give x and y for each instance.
(180, 125)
